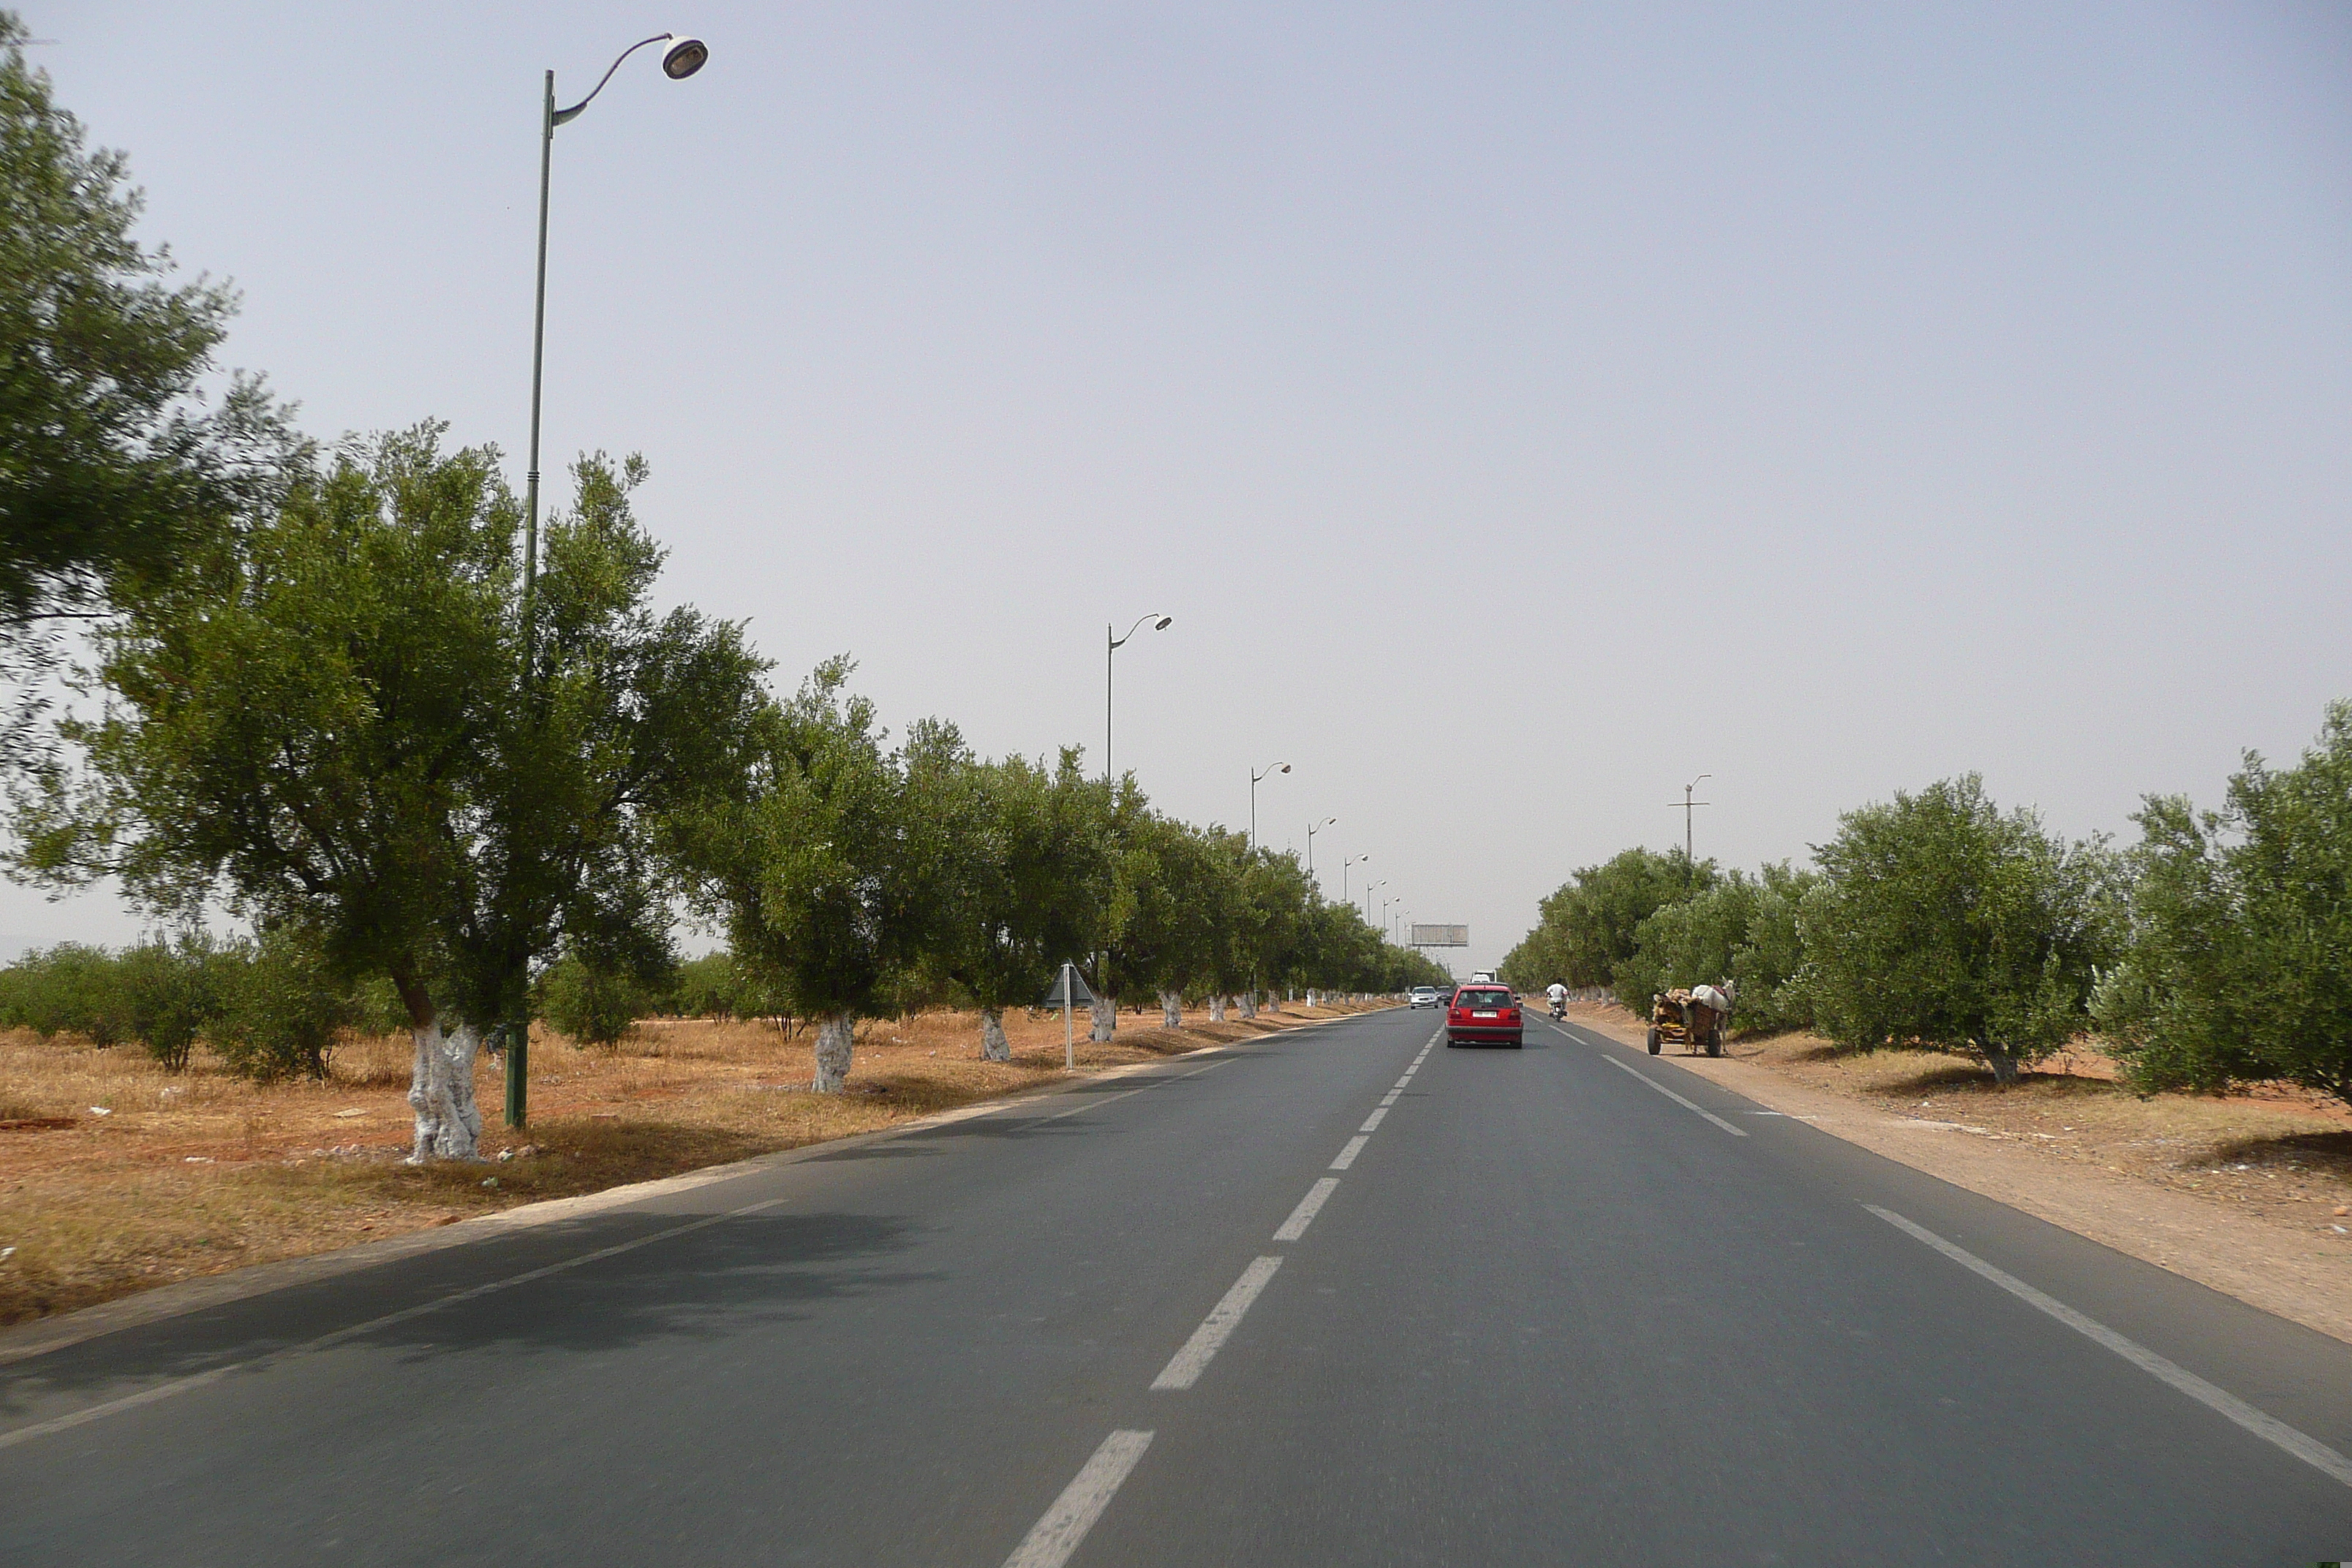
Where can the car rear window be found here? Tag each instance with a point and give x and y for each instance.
(1483, 999)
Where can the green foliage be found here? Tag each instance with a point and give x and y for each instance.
(1769, 962)
(707, 987)
(1688, 942)
(326, 719)
(1942, 920)
(70, 989)
(595, 1006)
(284, 1008)
(2238, 961)
(1590, 924)
(110, 463)
(176, 992)
(820, 866)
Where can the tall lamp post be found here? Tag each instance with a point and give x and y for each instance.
(1346, 862)
(1369, 892)
(1256, 779)
(682, 58)
(1689, 807)
(1112, 645)
(1312, 829)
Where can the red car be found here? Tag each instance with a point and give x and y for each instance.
(1483, 1016)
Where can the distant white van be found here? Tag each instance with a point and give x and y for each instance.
(1483, 976)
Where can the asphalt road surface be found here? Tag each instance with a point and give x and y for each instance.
(1335, 1297)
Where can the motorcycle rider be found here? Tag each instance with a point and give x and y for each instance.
(1558, 994)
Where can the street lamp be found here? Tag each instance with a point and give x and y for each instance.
(1690, 805)
(1111, 646)
(1312, 829)
(1375, 888)
(1256, 779)
(1344, 863)
(681, 60)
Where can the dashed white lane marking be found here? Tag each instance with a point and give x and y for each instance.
(185, 1384)
(1184, 1368)
(1404, 1081)
(1390, 1098)
(1678, 1099)
(1053, 1538)
(1348, 1155)
(1309, 1206)
(1372, 1122)
(2269, 1428)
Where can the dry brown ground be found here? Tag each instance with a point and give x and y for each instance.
(2251, 1193)
(140, 1176)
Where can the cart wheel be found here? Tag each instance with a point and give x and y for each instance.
(1654, 1042)
(1714, 1045)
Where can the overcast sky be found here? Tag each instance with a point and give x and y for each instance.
(1520, 409)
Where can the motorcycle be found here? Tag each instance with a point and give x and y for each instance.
(1559, 1011)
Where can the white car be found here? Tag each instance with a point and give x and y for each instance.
(1428, 996)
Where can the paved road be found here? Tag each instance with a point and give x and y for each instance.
(1545, 1313)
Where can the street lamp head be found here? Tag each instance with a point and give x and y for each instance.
(684, 57)
(1163, 622)
(1283, 769)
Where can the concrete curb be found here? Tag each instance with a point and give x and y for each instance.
(44, 1335)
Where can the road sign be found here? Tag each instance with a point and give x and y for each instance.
(1440, 936)
(1081, 995)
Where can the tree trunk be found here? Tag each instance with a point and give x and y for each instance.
(2003, 1064)
(441, 1093)
(1273, 1002)
(1105, 1013)
(993, 1042)
(1172, 1009)
(834, 1037)
(1249, 1003)
(1216, 1006)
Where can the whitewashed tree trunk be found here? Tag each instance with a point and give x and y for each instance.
(1172, 1009)
(993, 1042)
(1273, 1002)
(1104, 1010)
(1249, 1003)
(835, 1038)
(1216, 1006)
(441, 1093)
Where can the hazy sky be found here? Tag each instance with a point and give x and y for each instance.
(1520, 409)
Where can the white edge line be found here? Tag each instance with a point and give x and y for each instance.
(2269, 1428)
(1309, 1206)
(1678, 1099)
(187, 1385)
(1184, 1368)
(1348, 1155)
(1053, 1538)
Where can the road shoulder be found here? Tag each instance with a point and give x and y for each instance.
(2281, 1271)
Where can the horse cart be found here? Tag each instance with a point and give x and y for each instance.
(1692, 1020)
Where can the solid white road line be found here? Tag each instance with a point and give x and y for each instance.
(1309, 1206)
(185, 1384)
(1372, 1122)
(1053, 1538)
(1348, 1155)
(2269, 1428)
(1678, 1099)
(1184, 1368)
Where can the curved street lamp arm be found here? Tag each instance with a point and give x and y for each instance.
(565, 116)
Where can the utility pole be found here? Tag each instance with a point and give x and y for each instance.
(1689, 807)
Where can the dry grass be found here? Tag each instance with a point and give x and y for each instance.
(2278, 1152)
(157, 1176)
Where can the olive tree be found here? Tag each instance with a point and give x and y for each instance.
(823, 866)
(2238, 960)
(1944, 921)
(326, 719)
